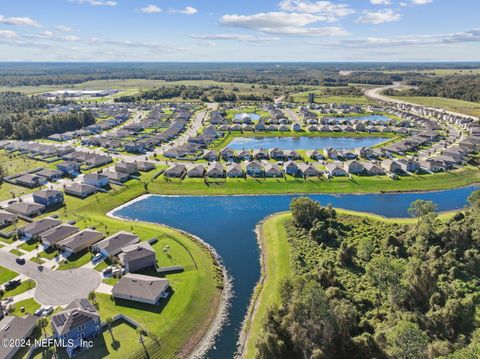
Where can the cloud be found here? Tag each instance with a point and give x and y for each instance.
(63, 28)
(95, 2)
(18, 21)
(151, 9)
(378, 16)
(319, 7)
(283, 23)
(235, 37)
(381, 2)
(45, 34)
(7, 34)
(135, 44)
(469, 36)
(189, 10)
(421, 2)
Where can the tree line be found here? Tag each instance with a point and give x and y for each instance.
(368, 289)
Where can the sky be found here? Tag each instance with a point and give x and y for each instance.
(240, 30)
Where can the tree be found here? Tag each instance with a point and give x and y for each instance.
(92, 297)
(421, 208)
(306, 212)
(43, 324)
(405, 340)
(109, 322)
(474, 199)
(385, 274)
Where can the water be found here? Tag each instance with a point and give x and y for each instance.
(373, 118)
(303, 142)
(228, 223)
(241, 116)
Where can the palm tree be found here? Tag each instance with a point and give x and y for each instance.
(109, 322)
(43, 324)
(92, 297)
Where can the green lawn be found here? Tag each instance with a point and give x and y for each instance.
(76, 260)
(30, 306)
(16, 252)
(276, 267)
(465, 107)
(23, 287)
(6, 274)
(29, 246)
(49, 253)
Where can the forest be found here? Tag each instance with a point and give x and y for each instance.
(466, 88)
(364, 288)
(26, 117)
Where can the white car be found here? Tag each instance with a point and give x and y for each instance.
(97, 257)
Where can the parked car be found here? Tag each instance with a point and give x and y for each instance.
(107, 271)
(97, 257)
(12, 284)
(20, 260)
(48, 310)
(38, 312)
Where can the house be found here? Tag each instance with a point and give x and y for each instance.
(117, 176)
(273, 170)
(431, 166)
(56, 234)
(196, 171)
(111, 246)
(80, 241)
(95, 179)
(255, 169)
(291, 168)
(244, 155)
(30, 181)
(78, 321)
(234, 170)
(277, 154)
(391, 166)
(296, 127)
(215, 170)
(175, 171)
(307, 170)
(141, 288)
(335, 169)
(129, 168)
(50, 175)
(145, 166)
(7, 219)
(70, 168)
(211, 155)
(353, 166)
(292, 155)
(48, 197)
(408, 165)
(372, 169)
(138, 256)
(16, 330)
(26, 209)
(315, 155)
(80, 190)
(260, 154)
(227, 154)
(36, 228)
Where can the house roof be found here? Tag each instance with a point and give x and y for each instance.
(115, 243)
(25, 207)
(56, 234)
(77, 313)
(40, 226)
(136, 251)
(140, 286)
(47, 193)
(81, 239)
(49, 173)
(13, 327)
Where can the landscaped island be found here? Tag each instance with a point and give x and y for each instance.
(346, 285)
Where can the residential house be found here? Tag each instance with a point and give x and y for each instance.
(260, 154)
(50, 175)
(273, 170)
(116, 176)
(277, 154)
(196, 171)
(335, 169)
(227, 154)
(210, 155)
(26, 208)
(30, 180)
(48, 197)
(234, 170)
(353, 167)
(408, 165)
(37, 227)
(7, 219)
(129, 168)
(391, 166)
(113, 245)
(315, 155)
(56, 234)
(255, 169)
(15, 330)
(291, 168)
(80, 189)
(95, 179)
(145, 166)
(175, 171)
(431, 166)
(141, 288)
(307, 170)
(292, 155)
(138, 256)
(373, 169)
(69, 168)
(80, 241)
(78, 321)
(215, 170)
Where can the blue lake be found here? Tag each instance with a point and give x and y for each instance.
(303, 142)
(228, 223)
(241, 116)
(373, 118)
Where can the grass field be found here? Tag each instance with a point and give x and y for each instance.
(6, 274)
(465, 107)
(276, 267)
(320, 98)
(30, 306)
(23, 287)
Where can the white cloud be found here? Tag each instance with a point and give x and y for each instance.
(378, 16)
(319, 7)
(381, 2)
(18, 21)
(189, 10)
(151, 9)
(63, 28)
(95, 2)
(45, 34)
(7, 34)
(235, 37)
(71, 38)
(421, 2)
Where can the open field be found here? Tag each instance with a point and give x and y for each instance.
(438, 72)
(6, 274)
(319, 98)
(465, 107)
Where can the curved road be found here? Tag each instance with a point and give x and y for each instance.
(55, 287)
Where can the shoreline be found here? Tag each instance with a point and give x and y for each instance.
(207, 341)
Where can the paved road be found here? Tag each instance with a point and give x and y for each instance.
(55, 287)
(293, 116)
(192, 130)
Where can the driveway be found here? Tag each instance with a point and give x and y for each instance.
(55, 287)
